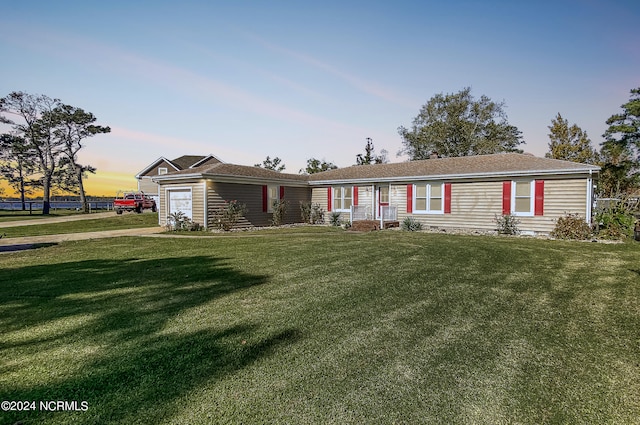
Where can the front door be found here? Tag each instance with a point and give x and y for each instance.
(382, 199)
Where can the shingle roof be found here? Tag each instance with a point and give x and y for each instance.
(468, 166)
(460, 167)
(233, 170)
(186, 161)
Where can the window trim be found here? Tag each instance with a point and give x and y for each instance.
(334, 198)
(532, 198)
(428, 209)
(162, 171)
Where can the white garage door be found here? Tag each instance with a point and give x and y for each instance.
(180, 200)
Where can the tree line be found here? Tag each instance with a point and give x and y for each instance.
(458, 124)
(41, 149)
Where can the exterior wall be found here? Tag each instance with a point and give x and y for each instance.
(147, 186)
(251, 195)
(162, 164)
(474, 204)
(197, 201)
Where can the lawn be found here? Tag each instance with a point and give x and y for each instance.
(333, 327)
(125, 221)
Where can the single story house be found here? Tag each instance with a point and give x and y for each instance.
(463, 192)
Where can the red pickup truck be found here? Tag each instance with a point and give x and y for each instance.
(133, 201)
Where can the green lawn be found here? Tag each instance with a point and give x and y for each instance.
(125, 221)
(333, 327)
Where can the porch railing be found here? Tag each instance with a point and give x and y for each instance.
(361, 212)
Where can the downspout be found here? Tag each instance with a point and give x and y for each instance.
(206, 210)
(590, 197)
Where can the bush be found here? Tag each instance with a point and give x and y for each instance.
(411, 225)
(179, 221)
(507, 224)
(279, 210)
(616, 220)
(334, 219)
(571, 226)
(227, 216)
(311, 213)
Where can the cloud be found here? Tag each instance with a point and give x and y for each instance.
(369, 87)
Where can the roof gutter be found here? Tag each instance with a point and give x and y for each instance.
(455, 176)
(228, 179)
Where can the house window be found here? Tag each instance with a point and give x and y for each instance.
(428, 198)
(522, 197)
(162, 170)
(342, 198)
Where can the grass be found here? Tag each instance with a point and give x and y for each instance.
(386, 327)
(116, 222)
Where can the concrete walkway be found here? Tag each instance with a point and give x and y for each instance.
(29, 242)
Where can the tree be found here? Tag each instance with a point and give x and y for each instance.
(459, 125)
(370, 157)
(621, 149)
(16, 165)
(316, 166)
(272, 164)
(71, 126)
(38, 133)
(570, 143)
(53, 135)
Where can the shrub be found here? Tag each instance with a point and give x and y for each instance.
(227, 216)
(179, 221)
(507, 224)
(571, 226)
(279, 210)
(411, 225)
(311, 213)
(334, 219)
(616, 220)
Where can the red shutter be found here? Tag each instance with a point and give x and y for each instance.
(281, 192)
(328, 199)
(355, 196)
(409, 198)
(447, 198)
(506, 198)
(265, 197)
(539, 198)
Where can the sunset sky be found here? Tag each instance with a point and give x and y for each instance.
(243, 80)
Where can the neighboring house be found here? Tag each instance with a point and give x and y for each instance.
(163, 166)
(464, 192)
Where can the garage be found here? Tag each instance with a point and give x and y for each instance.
(180, 200)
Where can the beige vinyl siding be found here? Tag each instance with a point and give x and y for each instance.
(147, 186)
(319, 196)
(365, 198)
(561, 197)
(474, 205)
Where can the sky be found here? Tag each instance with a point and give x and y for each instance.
(244, 80)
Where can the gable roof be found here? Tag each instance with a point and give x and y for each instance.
(496, 165)
(233, 171)
(180, 163)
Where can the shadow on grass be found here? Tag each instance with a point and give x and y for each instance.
(24, 246)
(119, 311)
